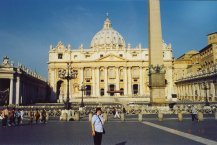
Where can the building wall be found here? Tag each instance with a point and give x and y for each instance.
(124, 68)
(195, 76)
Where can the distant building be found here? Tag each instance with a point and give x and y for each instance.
(195, 69)
(20, 86)
(107, 67)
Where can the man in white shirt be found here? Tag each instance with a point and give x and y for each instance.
(97, 127)
(117, 114)
(194, 114)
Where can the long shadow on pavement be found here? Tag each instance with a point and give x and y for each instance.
(122, 143)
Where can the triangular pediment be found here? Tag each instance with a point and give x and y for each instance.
(111, 57)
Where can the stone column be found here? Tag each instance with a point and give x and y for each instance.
(183, 91)
(179, 90)
(141, 86)
(93, 82)
(18, 91)
(129, 82)
(11, 91)
(189, 91)
(81, 80)
(198, 91)
(97, 81)
(193, 91)
(71, 88)
(106, 81)
(212, 89)
(55, 75)
(125, 81)
(117, 80)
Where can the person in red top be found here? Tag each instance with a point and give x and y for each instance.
(37, 116)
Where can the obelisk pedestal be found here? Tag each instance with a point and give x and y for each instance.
(157, 87)
(156, 67)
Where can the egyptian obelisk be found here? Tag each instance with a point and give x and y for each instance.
(156, 68)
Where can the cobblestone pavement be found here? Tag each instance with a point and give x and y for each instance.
(117, 133)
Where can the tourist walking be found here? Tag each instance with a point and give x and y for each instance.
(12, 117)
(124, 110)
(18, 116)
(43, 115)
(31, 116)
(194, 114)
(113, 111)
(21, 116)
(37, 116)
(97, 127)
(5, 114)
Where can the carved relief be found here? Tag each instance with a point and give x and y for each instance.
(157, 69)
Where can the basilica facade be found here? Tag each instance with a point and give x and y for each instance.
(110, 70)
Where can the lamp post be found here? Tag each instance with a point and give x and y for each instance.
(69, 75)
(205, 87)
(83, 88)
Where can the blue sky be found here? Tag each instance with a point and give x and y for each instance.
(28, 27)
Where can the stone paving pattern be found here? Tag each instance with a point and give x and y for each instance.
(117, 133)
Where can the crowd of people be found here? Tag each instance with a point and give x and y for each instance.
(15, 117)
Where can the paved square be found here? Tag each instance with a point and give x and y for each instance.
(117, 133)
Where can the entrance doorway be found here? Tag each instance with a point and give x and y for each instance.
(122, 91)
(102, 92)
(112, 88)
(88, 90)
(135, 89)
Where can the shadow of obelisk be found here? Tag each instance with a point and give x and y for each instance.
(156, 67)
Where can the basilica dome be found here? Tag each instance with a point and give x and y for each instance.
(107, 38)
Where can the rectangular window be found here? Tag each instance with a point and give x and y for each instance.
(60, 56)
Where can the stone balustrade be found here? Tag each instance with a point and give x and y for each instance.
(139, 111)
